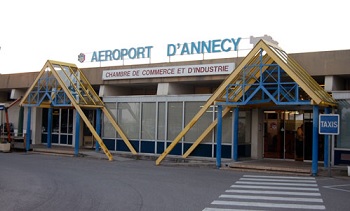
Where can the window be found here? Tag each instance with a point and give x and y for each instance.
(148, 121)
(129, 119)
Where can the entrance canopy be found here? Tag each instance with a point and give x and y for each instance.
(61, 84)
(267, 76)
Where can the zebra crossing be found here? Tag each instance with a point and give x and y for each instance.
(258, 192)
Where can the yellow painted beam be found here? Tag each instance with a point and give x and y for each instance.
(205, 133)
(300, 76)
(33, 85)
(81, 113)
(209, 102)
(119, 130)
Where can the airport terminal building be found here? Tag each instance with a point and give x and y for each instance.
(154, 103)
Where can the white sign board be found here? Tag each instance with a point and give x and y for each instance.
(169, 71)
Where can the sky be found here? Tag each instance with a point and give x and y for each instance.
(32, 32)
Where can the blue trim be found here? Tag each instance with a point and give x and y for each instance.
(315, 141)
(235, 134)
(226, 151)
(49, 127)
(202, 150)
(77, 133)
(64, 139)
(339, 154)
(110, 144)
(29, 135)
(176, 150)
(121, 146)
(326, 144)
(98, 128)
(160, 147)
(54, 138)
(70, 139)
(147, 146)
(219, 137)
(43, 138)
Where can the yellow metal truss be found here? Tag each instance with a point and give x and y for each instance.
(57, 78)
(272, 54)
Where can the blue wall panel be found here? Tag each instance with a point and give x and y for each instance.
(110, 144)
(147, 146)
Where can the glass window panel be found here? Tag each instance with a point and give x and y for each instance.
(70, 121)
(191, 109)
(343, 139)
(129, 119)
(108, 130)
(226, 128)
(174, 119)
(45, 120)
(148, 121)
(64, 121)
(56, 121)
(161, 121)
(242, 131)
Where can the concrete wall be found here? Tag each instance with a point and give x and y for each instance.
(316, 63)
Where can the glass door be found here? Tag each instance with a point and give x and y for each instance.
(88, 139)
(280, 129)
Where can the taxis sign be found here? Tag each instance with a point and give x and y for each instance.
(328, 124)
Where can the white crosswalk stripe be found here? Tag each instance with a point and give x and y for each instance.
(257, 192)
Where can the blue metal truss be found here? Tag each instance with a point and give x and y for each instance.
(263, 82)
(48, 90)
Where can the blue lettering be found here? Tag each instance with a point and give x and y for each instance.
(123, 53)
(132, 53)
(109, 55)
(236, 43)
(148, 51)
(195, 48)
(102, 55)
(114, 53)
(207, 47)
(94, 57)
(140, 51)
(215, 46)
(173, 48)
(223, 45)
(185, 49)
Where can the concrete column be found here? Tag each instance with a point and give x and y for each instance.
(36, 122)
(109, 90)
(256, 134)
(333, 83)
(173, 89)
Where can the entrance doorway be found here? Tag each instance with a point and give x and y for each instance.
(88, 139)
(280, 135)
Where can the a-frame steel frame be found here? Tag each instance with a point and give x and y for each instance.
(61, 84)
(266, 76)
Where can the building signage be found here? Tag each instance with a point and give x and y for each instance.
(169, 71)
(200, 47)
(191, 48)
(328, 124)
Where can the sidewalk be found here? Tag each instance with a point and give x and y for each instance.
(265, 165)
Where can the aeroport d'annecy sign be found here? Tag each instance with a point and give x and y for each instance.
(169, 71)
(191, 48)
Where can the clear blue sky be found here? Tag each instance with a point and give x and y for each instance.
(34, 31)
